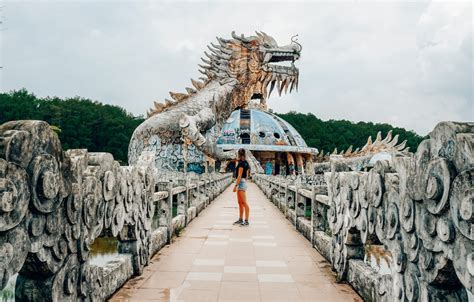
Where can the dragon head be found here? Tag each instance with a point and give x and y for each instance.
(249, 63)
(252, 64)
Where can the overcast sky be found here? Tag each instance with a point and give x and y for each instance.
(405, 63)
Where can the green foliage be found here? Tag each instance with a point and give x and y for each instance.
(340, 134)
(79, 122)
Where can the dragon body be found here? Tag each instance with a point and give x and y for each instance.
(183, 130)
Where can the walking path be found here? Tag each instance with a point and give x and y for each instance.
(213, 260)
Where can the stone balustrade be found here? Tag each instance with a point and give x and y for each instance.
(418, 206)
(54, 204)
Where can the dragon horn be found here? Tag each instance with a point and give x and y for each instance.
(241, 38)
(235, 36)
(222, 41)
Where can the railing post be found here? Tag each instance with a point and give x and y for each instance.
(167, 211)
(313, 208)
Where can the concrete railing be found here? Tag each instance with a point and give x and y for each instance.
(419, 207)
(55, 204)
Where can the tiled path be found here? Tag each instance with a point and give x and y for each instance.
(216, 261)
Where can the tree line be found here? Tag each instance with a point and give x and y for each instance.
(84, 123)
(80, 122)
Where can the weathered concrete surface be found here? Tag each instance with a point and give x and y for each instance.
(216, 261)
(55, 203)
(418, 206)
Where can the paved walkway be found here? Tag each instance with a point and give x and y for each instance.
(215, 261)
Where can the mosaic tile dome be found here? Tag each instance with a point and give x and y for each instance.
(255, 129)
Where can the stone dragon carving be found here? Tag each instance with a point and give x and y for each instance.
(55, 203)
(416, 207)
(236, 71)
(420, 207)
(363, 157)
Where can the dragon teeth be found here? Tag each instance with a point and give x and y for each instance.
(272, 86)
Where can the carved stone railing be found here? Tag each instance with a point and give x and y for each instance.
(420, 207)
(54, 204)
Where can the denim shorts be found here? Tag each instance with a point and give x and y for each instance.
(242, 185)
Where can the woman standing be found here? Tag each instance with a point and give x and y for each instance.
(243, 172)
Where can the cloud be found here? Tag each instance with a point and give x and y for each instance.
(405, 63)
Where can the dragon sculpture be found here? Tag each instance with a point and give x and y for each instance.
(236, 70)
(379, 149)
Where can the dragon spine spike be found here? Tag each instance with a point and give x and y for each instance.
(178, 96)
(349, 150)
(206, 61)
(342, 152)
(402, 146)
(379, 137)
(356, 150)
(394, 141)
(388, 138)
(205, 67)
(197, 85)
(368, 144)
(334, 152)
(213, 50)
(190, 90)
(212, 57)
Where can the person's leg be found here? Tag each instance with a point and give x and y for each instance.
(243, 198)
(241, 208)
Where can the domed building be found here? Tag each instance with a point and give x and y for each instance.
(276, 145)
